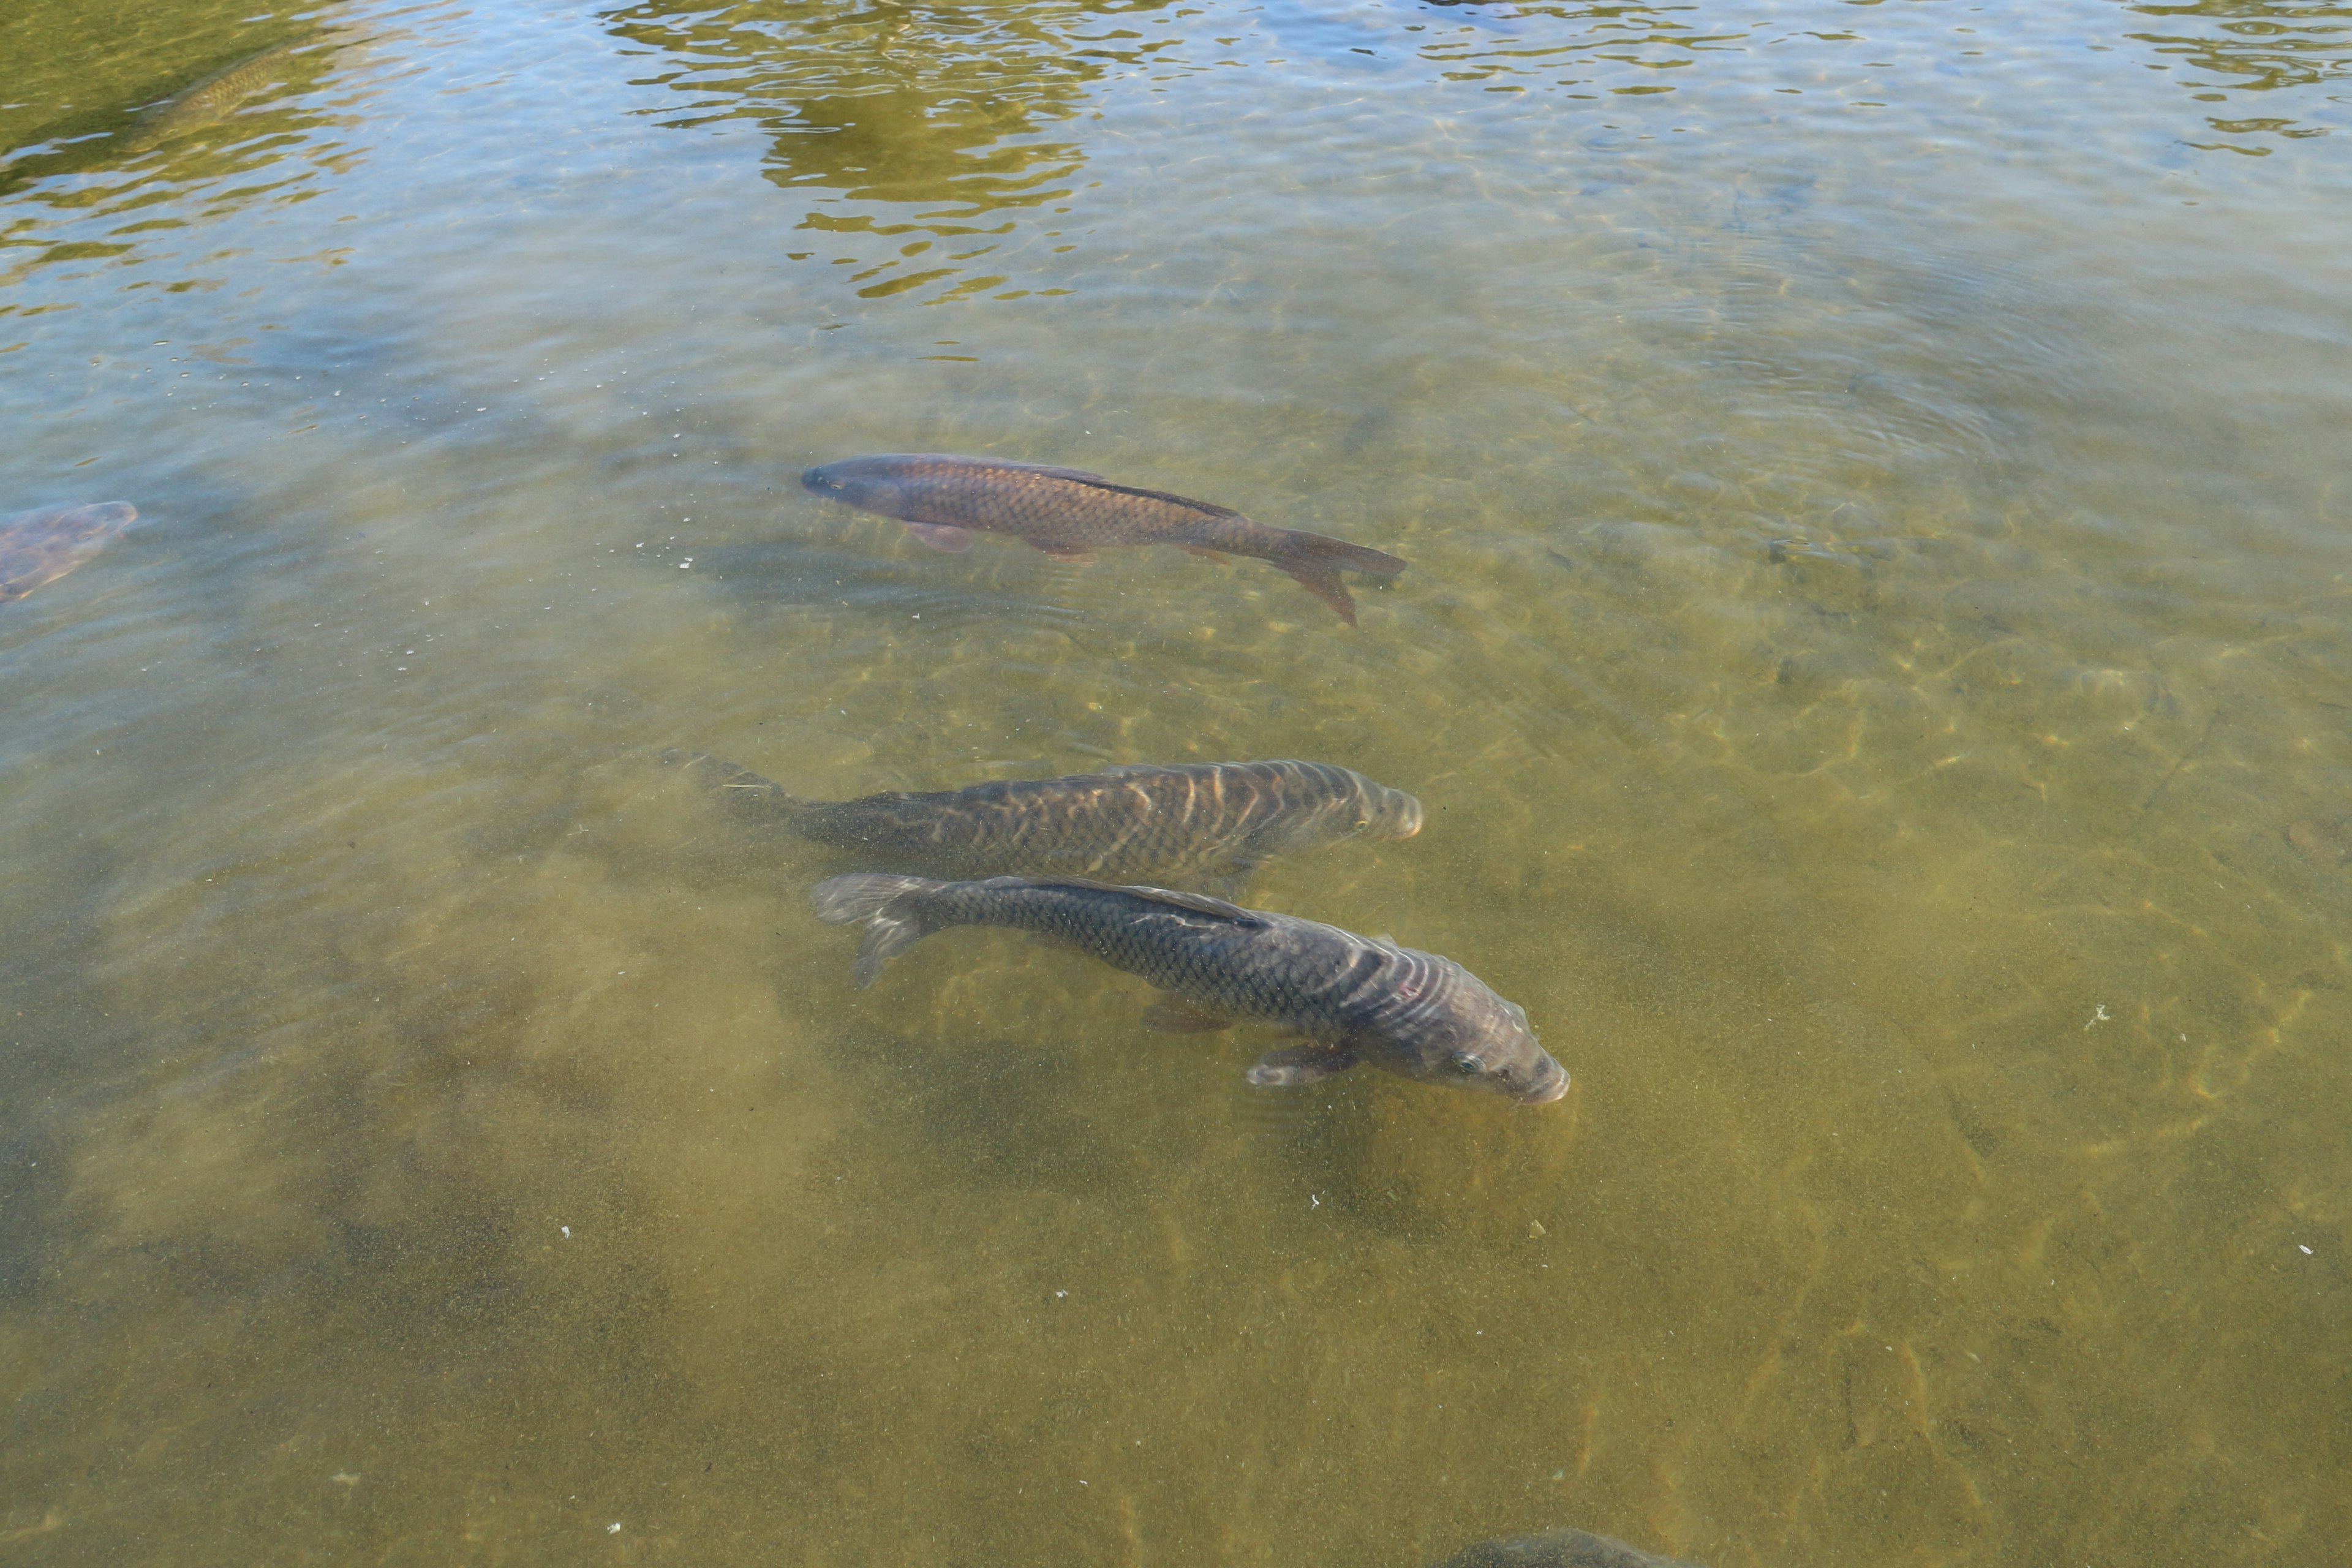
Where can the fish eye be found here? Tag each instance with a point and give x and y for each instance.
(1464, 1062)
(1362, 823)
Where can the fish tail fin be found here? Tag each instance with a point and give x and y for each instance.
(1316, 561)
(891, 907)
(744, 792)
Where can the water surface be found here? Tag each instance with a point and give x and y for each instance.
(1875, 661)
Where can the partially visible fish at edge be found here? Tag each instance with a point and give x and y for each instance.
(1357, 1000)
(1213, 820)
(1065, 512)
(39, 547)
(1559, 1549)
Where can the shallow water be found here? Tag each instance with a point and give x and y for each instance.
(1874, 661)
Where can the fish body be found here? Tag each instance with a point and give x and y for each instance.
(215, 97)
(1203, 820)
(1559, 1549)
(1067, 513)
(39, 547)
(1355, 1000)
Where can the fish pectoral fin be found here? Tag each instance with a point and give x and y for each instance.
(1075, 555)
(943, 536)
(1173, 1015)
(1206, 553)
(1294, 1067)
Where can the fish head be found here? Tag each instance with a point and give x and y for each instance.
(1390, 813)
(1362, 808)
(1475, 1039)
(870, 484)
(93, 524)
(81, 525)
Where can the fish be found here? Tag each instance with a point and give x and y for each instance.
(38, 547)
(1559, 1549)
(1357, 1001)
(1065, 512)
(215, 97)
(1211, 821)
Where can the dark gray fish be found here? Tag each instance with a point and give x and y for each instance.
(1189, 821)
(1065, 512)
(1559, 1549)
(39, 547)
(1358, 1000)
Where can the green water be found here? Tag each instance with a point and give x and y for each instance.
(1874, 661)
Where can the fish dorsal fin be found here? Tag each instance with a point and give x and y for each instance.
(1197, 903)
(1051, 470)
(1207, 509)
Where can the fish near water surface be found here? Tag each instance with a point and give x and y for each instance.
(39, 547)
(1357, 1000)
(1203, 820)
(1066, 513)
(216, 97)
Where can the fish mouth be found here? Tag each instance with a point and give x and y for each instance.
(1547, 1089)
(1409, 822)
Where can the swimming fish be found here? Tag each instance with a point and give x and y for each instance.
(1203, 820)
(1358, 1000)
(214, 97)
(1065, 512)
(1559, 1549)
(39, 547)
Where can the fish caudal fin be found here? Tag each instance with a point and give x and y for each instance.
(891, 907)
(1316, 560)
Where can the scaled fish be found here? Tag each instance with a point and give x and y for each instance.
(1203, 820)
(1358, 1000)
(38, 547)
(214, 97)
(1065, 513)
(1559, 1549)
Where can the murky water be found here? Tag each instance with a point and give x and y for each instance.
(1875, 659)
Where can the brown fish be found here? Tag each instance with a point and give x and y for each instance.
(215, 97)
(38, 547)
(1065, 512)
(1204, 822)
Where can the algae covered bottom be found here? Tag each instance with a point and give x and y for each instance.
(1871, 672)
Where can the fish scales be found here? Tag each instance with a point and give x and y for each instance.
(1354, 999)
(1213, 820)
(942, 498)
